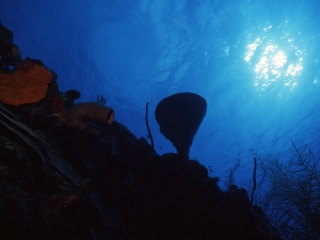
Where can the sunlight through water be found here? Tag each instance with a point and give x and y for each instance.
(276, 65)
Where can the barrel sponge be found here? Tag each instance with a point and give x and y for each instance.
(26, 84)
(81, 116)
(179, 117)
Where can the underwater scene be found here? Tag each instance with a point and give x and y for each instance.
(171, 119)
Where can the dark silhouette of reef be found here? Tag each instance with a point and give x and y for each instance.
(9, 52)
(62, 183)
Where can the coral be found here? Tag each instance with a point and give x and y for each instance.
(290, 194)
(58, 104)
(80, 115)
(9, 52)
(101, 99)
(27, 84)
(148, 127)
(55, 204)
(71, 95)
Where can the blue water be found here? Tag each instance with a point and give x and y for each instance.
(255, 62)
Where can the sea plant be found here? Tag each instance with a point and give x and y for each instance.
(292, 199)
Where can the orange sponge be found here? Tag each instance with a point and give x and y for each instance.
(27, 84)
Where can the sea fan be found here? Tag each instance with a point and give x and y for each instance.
(294, 195)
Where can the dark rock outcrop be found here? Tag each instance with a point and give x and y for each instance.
(59, 183)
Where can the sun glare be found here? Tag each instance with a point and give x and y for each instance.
(273, 68)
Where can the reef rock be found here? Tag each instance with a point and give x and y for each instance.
(63, 183)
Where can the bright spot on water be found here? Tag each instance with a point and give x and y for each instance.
(274, 70)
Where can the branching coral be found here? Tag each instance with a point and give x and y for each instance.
(80, 116)
(101, 99)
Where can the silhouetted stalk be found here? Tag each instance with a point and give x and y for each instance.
(147, 123)
(254, 178)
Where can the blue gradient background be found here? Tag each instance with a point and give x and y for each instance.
(136, 51)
